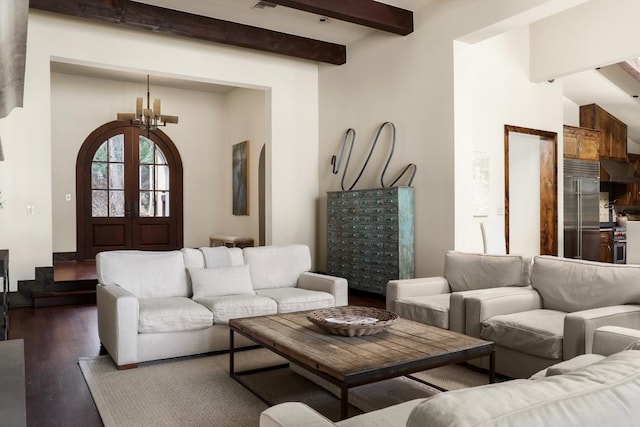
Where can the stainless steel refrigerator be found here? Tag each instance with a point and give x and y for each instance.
(581, 210)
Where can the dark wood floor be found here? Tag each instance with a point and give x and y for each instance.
(54, 338)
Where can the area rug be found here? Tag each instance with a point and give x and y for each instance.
(198, 391)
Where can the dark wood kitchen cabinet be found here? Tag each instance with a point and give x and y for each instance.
(613, 137)
(632, 195)
(606, 246)
(581, 143)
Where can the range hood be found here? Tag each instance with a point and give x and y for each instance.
(619, 171)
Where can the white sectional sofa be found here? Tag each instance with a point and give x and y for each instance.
(158, 305)
(538, 312)
(555, 320)
(440, 301)
(589, 391)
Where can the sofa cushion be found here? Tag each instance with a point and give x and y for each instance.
(145, 274)
(215, 257)
(215, 282)
(575, 285)
(536, 332)
(466, 271)
(566, 366)
(296, 299)
(193, 258)
(235, 306)
(172, 314)
(430, 310)
(277, 266)
(603, 393)
(458, 305)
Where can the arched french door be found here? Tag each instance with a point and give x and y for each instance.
(128, 191)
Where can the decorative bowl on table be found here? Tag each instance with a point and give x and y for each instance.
(352, 321)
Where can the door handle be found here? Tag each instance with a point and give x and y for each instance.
(127, 209)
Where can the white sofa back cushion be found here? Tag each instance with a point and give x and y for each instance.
(601, 394)
(468, 271)
(217, 256)
(574, 285)
(193, 258)
(277, 266)
(220, 256)
(215, 282)
(145, 274)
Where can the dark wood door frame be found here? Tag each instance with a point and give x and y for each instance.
(548, 187)
(83, 179)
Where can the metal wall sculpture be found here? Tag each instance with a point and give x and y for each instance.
(350, 135)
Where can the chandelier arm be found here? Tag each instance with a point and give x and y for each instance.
(148, 118)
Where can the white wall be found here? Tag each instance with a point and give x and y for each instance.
(596, 33)
(27, 140)
(410, 81)
(245, 120)
(571, 112)
(80, 104)
(496, 96)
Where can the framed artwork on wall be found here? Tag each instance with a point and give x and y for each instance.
(240, 167)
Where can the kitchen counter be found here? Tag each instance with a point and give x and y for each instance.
(607, 225)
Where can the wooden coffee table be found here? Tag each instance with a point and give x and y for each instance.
(347, 362)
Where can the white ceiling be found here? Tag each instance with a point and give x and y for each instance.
(137, 77)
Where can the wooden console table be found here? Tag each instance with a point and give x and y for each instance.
(230, 241)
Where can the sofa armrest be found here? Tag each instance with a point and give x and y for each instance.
(608, 340)
(580, 326)
(457, 303)
(399, 289)
(292, 414)
(483, 306)
(336, 286)
(118, 313)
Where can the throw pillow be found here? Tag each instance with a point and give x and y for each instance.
(215, 282)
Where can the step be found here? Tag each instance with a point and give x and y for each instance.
(70, 297)
(75, 285)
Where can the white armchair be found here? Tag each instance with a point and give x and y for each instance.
(440, 301)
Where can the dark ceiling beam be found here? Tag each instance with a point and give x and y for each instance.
(363, 12)
(169, 21)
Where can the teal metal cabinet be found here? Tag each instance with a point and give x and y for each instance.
(370, 236)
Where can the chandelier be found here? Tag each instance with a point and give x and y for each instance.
(148, 118)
